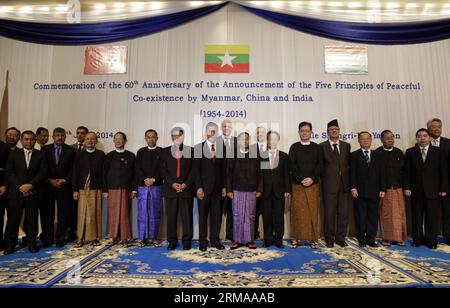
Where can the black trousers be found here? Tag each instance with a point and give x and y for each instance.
(446, 217)
(63, 198)
(43, 212)
(336, 215)
(72, 218)
(228, 208)
(258, 212)
(428, 209)
(366, 218)
(185, 207)
(16, 206)
(273, 220)
(3, 205)
(211, 205)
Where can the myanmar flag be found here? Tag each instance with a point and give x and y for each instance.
(227, 59)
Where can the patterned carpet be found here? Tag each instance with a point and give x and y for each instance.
(116, 266)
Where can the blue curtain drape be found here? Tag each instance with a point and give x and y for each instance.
(81, 34)
(104, 32)
(368, 33)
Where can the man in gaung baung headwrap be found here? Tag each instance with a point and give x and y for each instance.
(87, 182)
(118, 170)
(392, 207)
(148, 179)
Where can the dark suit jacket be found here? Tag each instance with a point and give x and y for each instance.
(17, 173)
(429, 177)
(209, 174)
(276, 181)
(369, 181)
(4, 153)
(330, 169)
(229, 151)
(64, 168)
(255, 149)
(169, 172)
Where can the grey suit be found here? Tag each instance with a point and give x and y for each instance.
(335, 190)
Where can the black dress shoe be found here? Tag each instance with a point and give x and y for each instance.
(416, 244)
(281, 246)
(33, 248)
(330, 245)
(172, 246)
(432, 246)
(266, 245)
(9, 250)
(373, 245)
(362, 244)
(60, 244)
(186, 247)
(342, 243)
(202, 248)
(219, 246)
(447, 242)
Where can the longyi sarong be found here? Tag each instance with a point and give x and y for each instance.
(305, 212)
(89, 226)
(149, 212)
(119, 214)
(393, 216)
(244, 208)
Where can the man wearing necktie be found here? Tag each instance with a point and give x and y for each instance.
(276, 188)
(258, 149)
(426, 183)
(81, 133)
(60, 158)
(335, 179)
(178, 173)
(230, 143)
(210, 186)
(25, 171)
(368, 185)
(435, 130)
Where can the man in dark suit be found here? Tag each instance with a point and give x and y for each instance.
(426, 181)
(335, 186)
(435, 130)
(276, 188)
(4, 153)
(80, 134)
(25, 171)
(259, 149)
(368, 185)
(178, 172)
(210, 186)
(60, 158)
(230, 143)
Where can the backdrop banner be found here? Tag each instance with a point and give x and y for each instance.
(166, 84)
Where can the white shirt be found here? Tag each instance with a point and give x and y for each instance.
(120, 151)
(28, 158)
(90, 151)
(332, 147)
(426, 149)
(389, 150)
(436, 142)
(305, 143)
(152, 148)
(264, 146)
(210, 144)
(243, 152)
(270, 155)
(368, 152)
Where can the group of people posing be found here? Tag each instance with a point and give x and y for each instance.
(225, 174)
